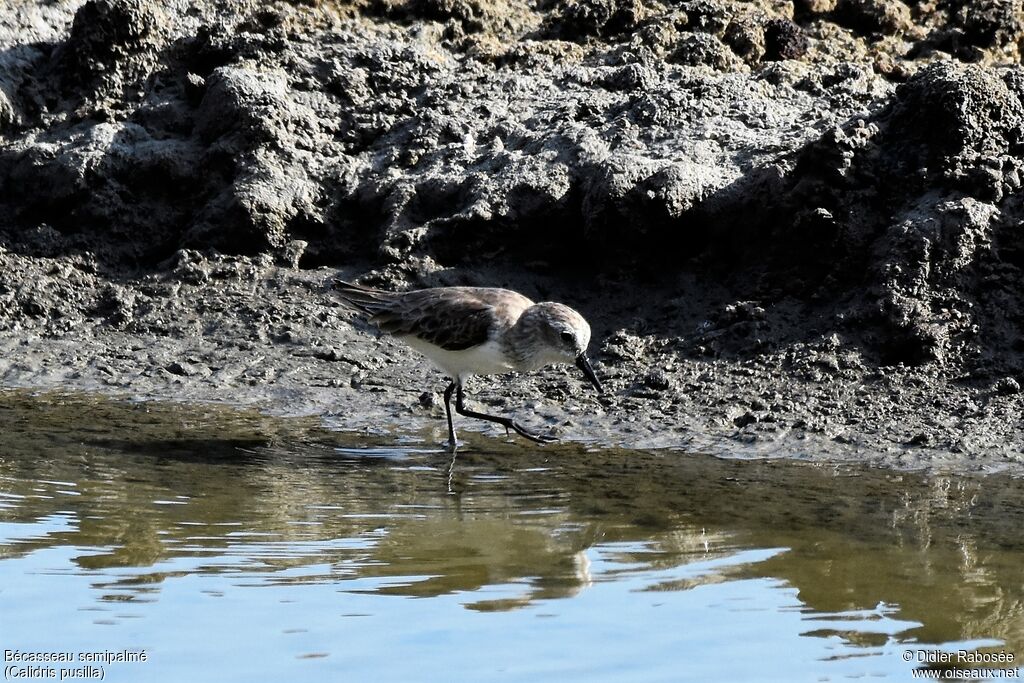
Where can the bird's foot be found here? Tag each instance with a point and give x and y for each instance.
(531, 435)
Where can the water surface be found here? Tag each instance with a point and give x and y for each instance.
(234, 547)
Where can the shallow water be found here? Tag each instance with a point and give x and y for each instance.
(233, 547)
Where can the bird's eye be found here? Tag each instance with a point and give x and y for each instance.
(567, 337)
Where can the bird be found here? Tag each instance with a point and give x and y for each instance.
(469, 331)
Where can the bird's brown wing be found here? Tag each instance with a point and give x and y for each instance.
(453, 318)
(449, 319)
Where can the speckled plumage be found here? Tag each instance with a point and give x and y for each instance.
(453, 318)
(477, 330)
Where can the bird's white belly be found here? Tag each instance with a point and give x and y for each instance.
(485, 359)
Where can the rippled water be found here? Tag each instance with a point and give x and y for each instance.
(232, 547)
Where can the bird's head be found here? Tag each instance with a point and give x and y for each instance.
(564, 336)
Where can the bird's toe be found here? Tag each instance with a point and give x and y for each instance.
(534, 436)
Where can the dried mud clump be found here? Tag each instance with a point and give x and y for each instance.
(874, 16)
(959, 128)
(110, 46)
(914, 202)
(783, 39)
(460, 18)
(988, 23)
(962, 126)
(746, 38)
(697, 49)
(582, 19)
(707, 16)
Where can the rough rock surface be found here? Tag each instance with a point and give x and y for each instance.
(796, 226)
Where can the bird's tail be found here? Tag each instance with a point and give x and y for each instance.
(366, 299)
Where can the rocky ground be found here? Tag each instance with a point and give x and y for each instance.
(795, 226)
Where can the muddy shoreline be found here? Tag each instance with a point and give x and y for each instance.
(260, 342)
(794, 226)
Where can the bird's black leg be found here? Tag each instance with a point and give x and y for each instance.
(452, 443)
(506, 422)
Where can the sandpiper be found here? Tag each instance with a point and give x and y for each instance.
(470, 331)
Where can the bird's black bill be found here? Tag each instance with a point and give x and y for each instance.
(583, 364)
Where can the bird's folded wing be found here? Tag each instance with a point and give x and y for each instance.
(453, 323)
